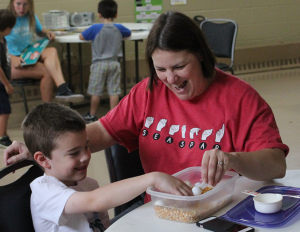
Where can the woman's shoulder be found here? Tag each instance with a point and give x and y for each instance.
(227, 80)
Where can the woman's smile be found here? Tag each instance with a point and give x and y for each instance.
(181, 72)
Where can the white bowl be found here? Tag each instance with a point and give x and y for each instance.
(268, 202)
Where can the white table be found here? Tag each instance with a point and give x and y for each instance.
(140, 31)
(144, 219)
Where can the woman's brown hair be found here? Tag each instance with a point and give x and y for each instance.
(174, 31)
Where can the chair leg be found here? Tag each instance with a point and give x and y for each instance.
(24, 99)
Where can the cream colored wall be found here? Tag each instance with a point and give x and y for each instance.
(271, 26)
(261, 22)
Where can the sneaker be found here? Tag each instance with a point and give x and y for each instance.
(5, 141)
(64, 94)
(89, 119)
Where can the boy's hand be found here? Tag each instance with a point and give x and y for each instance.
(170, 184)
(9, 89)
(16, 62)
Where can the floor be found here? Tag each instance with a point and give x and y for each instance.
(279, 88)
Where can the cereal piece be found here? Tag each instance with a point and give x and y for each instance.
(190, 215)
(174, 214)
(208, 188)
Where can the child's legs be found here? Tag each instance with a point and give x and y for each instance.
(95, 101)
(3, 124)
(113, 83)
(114, 101)
(51, 61)
(37, 71)
(96, 84)
(5, 110)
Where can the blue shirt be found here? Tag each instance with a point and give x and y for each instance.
(20, 36)
(106, 40)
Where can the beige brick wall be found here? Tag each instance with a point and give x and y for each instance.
(261, 22)
(268, 29)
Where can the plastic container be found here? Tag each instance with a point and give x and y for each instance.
(191, 209)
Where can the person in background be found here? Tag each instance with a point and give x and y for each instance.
(48, 68)
(64, 199)
(106, 49)
(7, 21)
(188, 113)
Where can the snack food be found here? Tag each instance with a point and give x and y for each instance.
(191, 214)
(190, 209)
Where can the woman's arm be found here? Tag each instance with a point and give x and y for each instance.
(265, 164)
(46, 33)
(98, 136)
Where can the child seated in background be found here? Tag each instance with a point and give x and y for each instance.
(7, 22)
(106, 49)
(64, 199)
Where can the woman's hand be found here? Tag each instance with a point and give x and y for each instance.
(171, 184)
(51, 36)
(214, 164)
(16, 152)
(48, 34)
(16, 62)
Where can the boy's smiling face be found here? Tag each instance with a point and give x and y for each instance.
(70, 158)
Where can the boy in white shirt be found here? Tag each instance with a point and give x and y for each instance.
(64, 199)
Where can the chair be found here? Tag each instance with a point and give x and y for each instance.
(15, 214)
(220, 35)
(122, 165)
(21, 83)
(199, 19)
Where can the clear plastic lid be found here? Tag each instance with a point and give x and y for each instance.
(245, 213)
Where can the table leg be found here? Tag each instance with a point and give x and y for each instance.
(69, 69)
(137, 60)
(80, 68)
(69, 64)
(124, 69)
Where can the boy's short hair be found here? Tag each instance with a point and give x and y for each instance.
(7, 19)
(46, 123)
(108, 8)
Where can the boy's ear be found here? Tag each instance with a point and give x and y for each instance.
(42, 160)
(100, 16)
(116, 16)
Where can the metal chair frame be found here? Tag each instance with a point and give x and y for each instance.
(221, 37)
(21, 83)
(122, 165)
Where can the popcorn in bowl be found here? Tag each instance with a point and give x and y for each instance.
(190, 209)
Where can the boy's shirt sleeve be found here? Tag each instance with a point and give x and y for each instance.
(124, 30)
(49, 197)
(38, 25)
(92, 31)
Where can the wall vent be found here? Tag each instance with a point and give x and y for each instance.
(267, 66)
(271, 75)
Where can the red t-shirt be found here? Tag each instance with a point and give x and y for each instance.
(172, 134)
